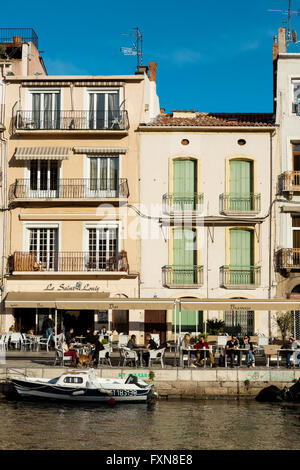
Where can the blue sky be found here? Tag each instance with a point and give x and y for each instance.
(212, 56)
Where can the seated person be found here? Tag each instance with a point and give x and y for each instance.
(249, 353)
(90, 337)
(151, 344)
(69, 336)
(132, 345)
(232, 350)
(186, 344)
(70, 351)
(98, 347)
(202, 344)
(103, 331)
(290, 344)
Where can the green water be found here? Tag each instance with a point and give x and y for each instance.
(209, 424)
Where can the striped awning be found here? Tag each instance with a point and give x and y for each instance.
(108, 150)
(42, 153)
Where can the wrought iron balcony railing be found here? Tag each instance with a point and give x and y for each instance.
(240, 276)
(288, 258)
(77, 188)
(289, 181)
(183, 202)
(68, 261)
(182, 276)
(51, 120)
(239, 203)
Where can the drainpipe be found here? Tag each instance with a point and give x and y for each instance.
(175, 329)
(270, 233)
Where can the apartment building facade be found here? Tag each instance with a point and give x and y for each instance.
(286, 104)
(72, 175)
(207, 184)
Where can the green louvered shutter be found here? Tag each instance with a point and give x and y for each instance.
(190, 320)
(184, 256)
(184, 184)
(241, 185)
(241, 256)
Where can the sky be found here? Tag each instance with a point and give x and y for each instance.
(212, 56)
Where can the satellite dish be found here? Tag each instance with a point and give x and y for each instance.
(294, 36)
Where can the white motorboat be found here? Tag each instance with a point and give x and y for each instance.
(83, 386)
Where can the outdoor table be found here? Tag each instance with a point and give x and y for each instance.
(197, 350)
(141, 350)
(286, 350)
(240, 350)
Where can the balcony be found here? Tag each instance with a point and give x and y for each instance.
(239, 204)
(74, 189)
(240, 277)
(10, 36)
(71, 121)
(182, 276)
(289, 182)
(182, 202)
(288, 258)
(64, 261)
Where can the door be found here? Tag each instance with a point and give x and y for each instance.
(189, 321)
(103, 249)
(184, 256)
(155, 323)
(43, 243)
(103, 177)
(104, 112)
(241, 256)
(184, 185)
(45, 110)
(120, 321)
(241, 185)
(44, 179)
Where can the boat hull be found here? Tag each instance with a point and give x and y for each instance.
(52, 392)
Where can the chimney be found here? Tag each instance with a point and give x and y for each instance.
(281, 40)
(153, 68)
(162, 110)
(275, 49)
(142, 69)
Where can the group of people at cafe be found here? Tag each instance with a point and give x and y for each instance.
(93, 339)
(200, 351)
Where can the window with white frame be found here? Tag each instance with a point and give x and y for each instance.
(104, 109)
(43, 242)
(103, 175)
(46, 106)
(103, 248)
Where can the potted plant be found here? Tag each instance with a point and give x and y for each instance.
(214, 326)
(284, 322)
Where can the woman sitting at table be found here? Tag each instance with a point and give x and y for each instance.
(186, 345)
(200, 345)
(70, 351)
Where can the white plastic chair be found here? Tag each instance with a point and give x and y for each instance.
(102, 357)
(43, 342)
(123, 340)
(15, 339)
(61, 358)
(129, 355)
(157, 355)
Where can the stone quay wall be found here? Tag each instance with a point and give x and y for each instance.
(180, 383)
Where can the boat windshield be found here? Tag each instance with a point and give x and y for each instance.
(53, 381)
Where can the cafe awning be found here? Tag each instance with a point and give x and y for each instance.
(82, 301)
(42, 153)
(92, 150)
(101, 301)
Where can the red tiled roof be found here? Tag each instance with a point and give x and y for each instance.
(215, 119)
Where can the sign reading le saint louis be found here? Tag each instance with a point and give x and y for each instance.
(79, 286)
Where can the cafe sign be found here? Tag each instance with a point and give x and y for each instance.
(77, 287)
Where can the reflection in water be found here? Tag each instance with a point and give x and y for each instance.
(209, 424)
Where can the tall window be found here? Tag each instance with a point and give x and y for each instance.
(103, 248)
(46, 109)
(241, 185)
(239, 322)
(184, 256)
(104, 175)
(104, 109)
(44, 176)
(185, 184)
(43, 243)
(241, 256)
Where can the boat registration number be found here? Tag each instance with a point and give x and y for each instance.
(124, 393)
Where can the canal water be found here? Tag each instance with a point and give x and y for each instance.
(209, 424)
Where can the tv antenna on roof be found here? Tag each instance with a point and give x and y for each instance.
(290, 35)
(137, 47)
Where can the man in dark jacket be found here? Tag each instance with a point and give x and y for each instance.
(232, 350)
